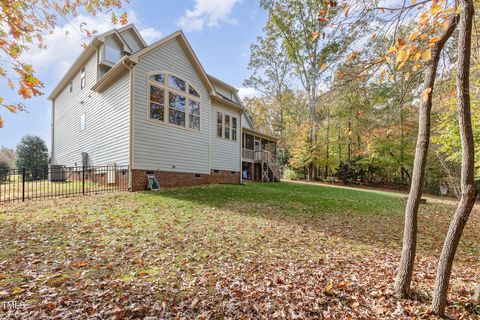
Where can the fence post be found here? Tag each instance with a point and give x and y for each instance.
(23, 184)
(83, 180)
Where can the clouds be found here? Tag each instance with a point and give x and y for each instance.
(64, 44)
(248, 93)
(208, 12)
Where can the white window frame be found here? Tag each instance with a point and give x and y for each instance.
(166, 108)
(83, 121)
(83, 75)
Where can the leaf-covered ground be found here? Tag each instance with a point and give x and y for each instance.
(264, 251)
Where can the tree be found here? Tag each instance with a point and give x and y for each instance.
(4, 167)
(23, 24)
(467, 180)
(407, 260)
(314, 38)
(7, 156)
(32, 155)
(271, 70)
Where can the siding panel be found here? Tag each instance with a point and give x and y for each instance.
(159, 146)
(131, 40)
(225, 153)
(106, 136)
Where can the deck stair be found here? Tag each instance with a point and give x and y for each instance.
(270, 170)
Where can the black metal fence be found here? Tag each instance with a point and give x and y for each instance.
(18, 185)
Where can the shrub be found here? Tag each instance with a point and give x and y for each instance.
(4, 167)
(346, 173)
(289, 174)
(32, 154)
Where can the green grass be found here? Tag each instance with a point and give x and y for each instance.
(185, 241)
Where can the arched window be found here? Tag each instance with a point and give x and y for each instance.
(173, 100)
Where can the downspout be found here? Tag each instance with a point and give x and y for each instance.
(130, 147)
(241, 142)
(52, 133)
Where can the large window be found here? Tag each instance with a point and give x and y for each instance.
(112, 54)
(82, 78)
(194, 111)
(157, 103)
(176, 109)
(181, 109)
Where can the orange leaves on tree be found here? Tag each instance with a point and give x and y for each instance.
(352, 56)
(24, 92)
(124, 19)
(315, 36)
(435, 8)
(427, 55)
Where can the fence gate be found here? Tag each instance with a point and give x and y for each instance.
(18, 185)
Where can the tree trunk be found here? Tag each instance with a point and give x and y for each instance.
(407, 260)
(467, 178)
(327, 144)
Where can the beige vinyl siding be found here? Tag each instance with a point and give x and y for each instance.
(246, 122)
(225, 153)
(131, 40)
(106, 136)
(161, 145)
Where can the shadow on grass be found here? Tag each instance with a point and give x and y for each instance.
(359, 215)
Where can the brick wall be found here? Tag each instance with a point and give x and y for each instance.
(168, 179)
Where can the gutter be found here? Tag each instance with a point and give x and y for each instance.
(123, 65)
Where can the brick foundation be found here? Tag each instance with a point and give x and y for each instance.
(168, 179)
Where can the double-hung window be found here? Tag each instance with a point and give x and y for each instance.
(219, 124)
(183, 105)
(234, 129)
(227, 127)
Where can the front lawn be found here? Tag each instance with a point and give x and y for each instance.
(280, 250)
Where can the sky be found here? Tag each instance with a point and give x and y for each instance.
(220, 32)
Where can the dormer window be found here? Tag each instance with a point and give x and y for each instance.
(112, 54)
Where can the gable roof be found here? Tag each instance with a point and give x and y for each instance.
(180, 36)
(87, 52)
(103, 36)
(76, 66)
(249, 120)
(124, 64)
(136, 33)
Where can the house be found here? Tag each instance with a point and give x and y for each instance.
(154, 109)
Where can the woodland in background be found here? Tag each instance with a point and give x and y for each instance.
(366, 126)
